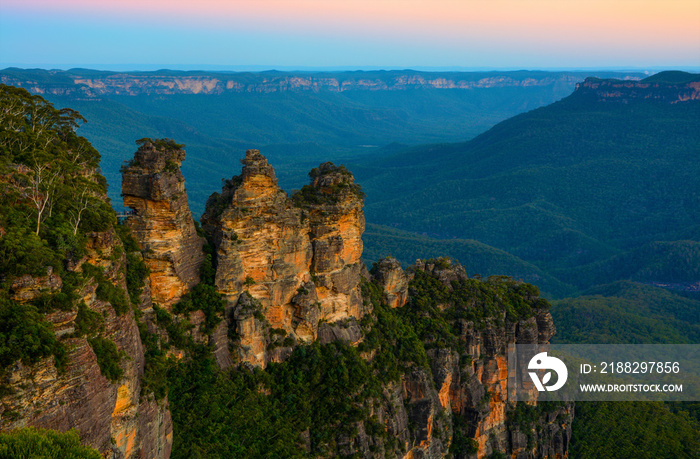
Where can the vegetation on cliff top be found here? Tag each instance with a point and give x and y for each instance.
(341, 184)
(30, 443)
(52, 192)
(51, 196)
(160, 144)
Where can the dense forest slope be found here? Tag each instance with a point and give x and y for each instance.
(262, 334)
(582, 188)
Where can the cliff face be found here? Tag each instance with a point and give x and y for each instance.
(333, 205)
(393, 279)
(109, 83)
(154, 188)
(628, 91)
(111, 415)
(297, 262)
(464, 395)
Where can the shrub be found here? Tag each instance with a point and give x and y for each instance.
(108, 357)
(25, 335)
(205, 298)
(106, 290)
(23, 252)
(30, 443)
(87, 322)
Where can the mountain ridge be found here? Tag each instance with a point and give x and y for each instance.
(590, 177)
(89, 83)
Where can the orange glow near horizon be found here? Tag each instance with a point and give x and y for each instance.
(662, 26)
(665, 19)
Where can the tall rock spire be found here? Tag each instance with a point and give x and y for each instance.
(154, 187)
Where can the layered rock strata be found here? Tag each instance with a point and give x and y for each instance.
(108, 84)
(629, 91)
(333, 206)
(297, 260)
(111, 416)
(154, 188)
(471, 383)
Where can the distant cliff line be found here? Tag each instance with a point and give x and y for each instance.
(89, 83)
(671, 87)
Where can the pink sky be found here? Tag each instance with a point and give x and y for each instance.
(631, 28)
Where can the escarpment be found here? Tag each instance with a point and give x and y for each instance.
(109, 409)
(659, 88)
(154, 188)
(71, 354)
(108, 83)
(296, 261)
(459, 403)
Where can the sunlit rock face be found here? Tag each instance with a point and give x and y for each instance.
(297, 258)
(333, 204)
(154, 188)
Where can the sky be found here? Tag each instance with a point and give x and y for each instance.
(285, 34)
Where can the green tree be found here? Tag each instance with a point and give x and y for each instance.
(30, 443)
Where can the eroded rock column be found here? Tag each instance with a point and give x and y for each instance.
(298, 258)
(154, 187)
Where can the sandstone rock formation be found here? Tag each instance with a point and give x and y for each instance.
(154, 187)
(333, 204)
(297, 259)
(112, 416)
(471, 385)
(220, 83)
(393, 279)
(627, 91)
